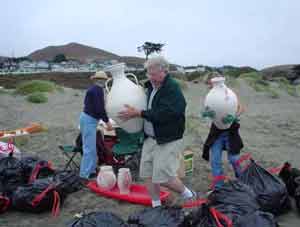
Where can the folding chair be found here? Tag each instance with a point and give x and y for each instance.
(129, 148)
(71, 152)
(128, 143)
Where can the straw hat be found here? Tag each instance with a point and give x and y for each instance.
(100, 75)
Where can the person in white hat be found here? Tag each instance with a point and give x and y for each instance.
(93, 111)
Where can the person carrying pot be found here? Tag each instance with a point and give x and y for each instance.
(93, 111)
(164, 125)
(223, 139)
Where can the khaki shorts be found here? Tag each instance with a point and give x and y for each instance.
(160, 162)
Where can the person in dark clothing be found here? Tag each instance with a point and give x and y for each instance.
(164, 125)
(93, 111)
(223, 139)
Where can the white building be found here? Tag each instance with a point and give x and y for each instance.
(190, 69)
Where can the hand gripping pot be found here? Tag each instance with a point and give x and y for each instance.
(122, 92)
(106, 178)
(221, 104)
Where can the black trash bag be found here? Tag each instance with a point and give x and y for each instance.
(67, 181)
(1, 188)
(234, 199)
(4, 203)
(34, 168)
(207, 216)
(11, 174)
(158, 216)
(297, 198)
(98, 219)
(258, 219)
(4, 200)
(271, 192)
(288, 176)
(39, 196)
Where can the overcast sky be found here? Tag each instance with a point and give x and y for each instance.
(258, 33)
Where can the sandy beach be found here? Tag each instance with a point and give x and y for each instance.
(270, 129)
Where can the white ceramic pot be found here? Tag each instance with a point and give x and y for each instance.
(122, 92)
(124, 180)
(106, 178)
(221, 102)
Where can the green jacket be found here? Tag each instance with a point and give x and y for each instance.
(167, 113)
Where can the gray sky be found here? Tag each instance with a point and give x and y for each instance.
(258, 33)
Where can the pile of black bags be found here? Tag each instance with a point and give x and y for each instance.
(32, 185)
(250, 201)
(272, 194)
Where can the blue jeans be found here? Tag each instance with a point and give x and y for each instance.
(88, 129)
(216, 158)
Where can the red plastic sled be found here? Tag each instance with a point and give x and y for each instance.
(138, 193)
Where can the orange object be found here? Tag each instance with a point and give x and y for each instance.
(33, 127)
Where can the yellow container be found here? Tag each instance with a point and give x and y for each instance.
(186, 164)
(188, 157)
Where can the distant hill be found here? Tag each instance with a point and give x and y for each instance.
(278, 68)
(76, 51)
(291, 72)
(81, 53)
(132, 60)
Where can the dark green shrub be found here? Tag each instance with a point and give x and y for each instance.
(37, 97)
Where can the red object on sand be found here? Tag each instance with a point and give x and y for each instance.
(275, 170)
(138, 193)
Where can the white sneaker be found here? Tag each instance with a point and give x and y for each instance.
(193, 197)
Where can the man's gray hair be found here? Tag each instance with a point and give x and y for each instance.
(159, 62)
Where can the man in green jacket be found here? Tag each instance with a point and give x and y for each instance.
(163, 127)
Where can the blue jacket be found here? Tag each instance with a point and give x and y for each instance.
(94, 104)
